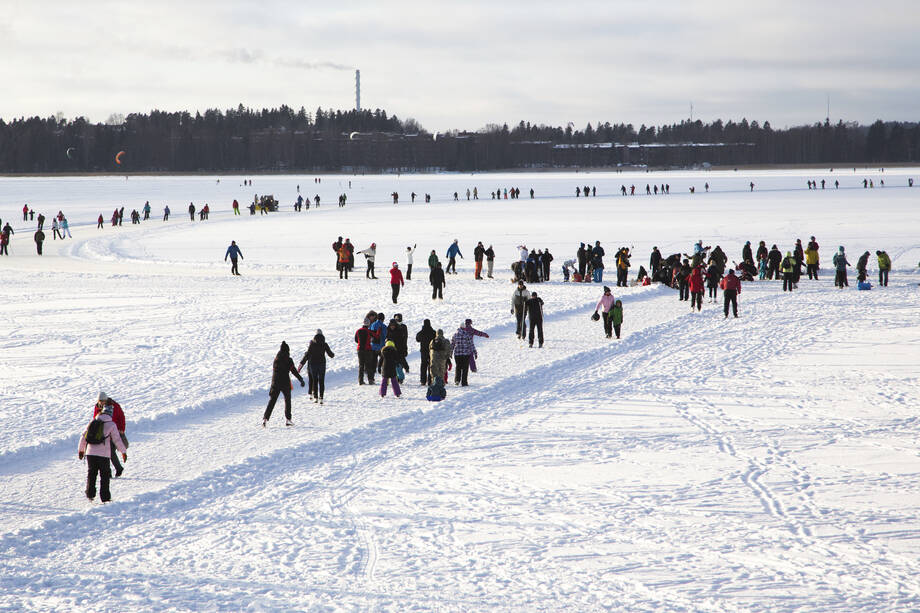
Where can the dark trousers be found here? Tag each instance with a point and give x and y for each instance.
(367, 365)
(342, 268)
(233, 266)
(882, 274)
(788, 281)
(812, 271)
(731, 297)
(423, 374)
(113, 453)
(409, 272)
(840, 279)
(521, 315)
(283, 388)
(451, 265)
(38, 246)
(147, 215)
(616, 330)
(317, 375)
(98, 465)
(581, 268)
(462, 369)
(395, 287)
(684, 290)
(370, 270)
(714, 292)
(608, 323)
(539, 326)
(696, 300)
(437, 291)
(622, 273)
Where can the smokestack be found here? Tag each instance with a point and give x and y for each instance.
(357, 90)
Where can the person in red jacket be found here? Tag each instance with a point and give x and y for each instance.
(731, 287)
(696, 287)
(367, 358)
(396, 280)
(118, 418)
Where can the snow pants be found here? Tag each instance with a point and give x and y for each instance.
(539, 326)
(684, 290)
(437, 291)
(285, 389)
(840, 279)
(383, 386)
(317, 380)
(696, 300)
(622, 274)
(98, 465)
(812, 271)
(788, 281)
(462, 371)
(521, 315)
(731, 297)
(451, 266)
(395, 287)
(367, 365)
(423, 374)
(608, 323)
(882, 275)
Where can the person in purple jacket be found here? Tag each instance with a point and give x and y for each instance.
(98, 455)
(606, 303)
(464, 350)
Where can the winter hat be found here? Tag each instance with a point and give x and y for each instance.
(533, 294)
(468, 322)
(380, 317)
(440, 332)
(426, 323)
(373, 244)
(606, 289)
(319, 332)
(731, 271)
(395, 265)
(390, 344)
(284, 347)
(788, 254)
(840, 249)
(102, 397)
(398, 317)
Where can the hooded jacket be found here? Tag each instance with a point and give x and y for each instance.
(282, 369)
(389, 359)
(424, 336)
(316, 353)
(103, 449)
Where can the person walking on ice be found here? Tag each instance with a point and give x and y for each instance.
(233, 252)
(731, 287)
(535, 316)
(282, 368)
(315, 359)
(410, 252)
(605, 304)
(396, 281)
(95, 447)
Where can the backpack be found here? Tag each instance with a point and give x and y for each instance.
(95, 432)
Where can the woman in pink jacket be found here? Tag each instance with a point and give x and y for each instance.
(606, 303)
(97, 453)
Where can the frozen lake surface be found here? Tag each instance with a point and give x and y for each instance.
(764, 463)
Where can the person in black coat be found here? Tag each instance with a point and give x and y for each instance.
(582, 256)
(436, 278)
(654, 262)
(774, 258)
(315, 359)
(746, 253)
(546, 260)
(424, 338)
(389, 358)
(535, 316)
(282, 369)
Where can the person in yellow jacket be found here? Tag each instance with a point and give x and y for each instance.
(788, 269)
(884, 265)
(811, 260)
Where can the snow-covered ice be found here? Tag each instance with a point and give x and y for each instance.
(764, 463)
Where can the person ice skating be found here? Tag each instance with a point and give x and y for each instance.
(731, 287)
(605, 305)
(862, 266)
(41, 221)
(479, 254)
(438, 282)
(96, 444)
(39, 239)
(282, 369)
(696, 287)
(840, 266)
(452, 252)
(464, 351)
(616, 317)
(535, 316)
(118, 417)
(367, 357)
(389, 358)
(233, 252)
(315, 359)
(55, 231)
(424, 337)
(490, 261)
(410, 252)
(884, 265)
(812, 263)
(519, 307)
(396, 280)
(788, 269)
(369, 254)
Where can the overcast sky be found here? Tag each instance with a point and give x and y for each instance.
(467, 64)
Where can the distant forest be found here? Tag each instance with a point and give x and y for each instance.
(288, 140)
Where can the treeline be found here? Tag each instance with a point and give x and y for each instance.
(284, 139)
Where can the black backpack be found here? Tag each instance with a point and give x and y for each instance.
(95, 433)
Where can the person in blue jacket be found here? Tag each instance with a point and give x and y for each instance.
(379, 331)
(452, 252)
(233, 252)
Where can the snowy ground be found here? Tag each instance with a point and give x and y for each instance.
(764, 463)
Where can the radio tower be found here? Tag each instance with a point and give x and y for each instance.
(357, 90)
